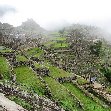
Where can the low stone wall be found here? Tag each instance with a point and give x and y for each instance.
(78, 102)
(39, 103)
(7, 54)
(47, 89)
(10, 56)
(41, 71)
(87, 91)
(22, 63)
(66, 79)
(35, 59)
(101, 95)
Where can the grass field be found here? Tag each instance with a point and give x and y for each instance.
(27, 77)
(89, 104)
(59, 45)
(57, 42)
(61, 38)
(21, 58)
(60, 93)
(4, 68)
(35, 52)
(57, 72)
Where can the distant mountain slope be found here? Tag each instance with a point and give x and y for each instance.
(31, 26)
(89, 32)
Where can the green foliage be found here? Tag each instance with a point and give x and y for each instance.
(60, 92)
(108, 89)
(96, 48)
(106, 72)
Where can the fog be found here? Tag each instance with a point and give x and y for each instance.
(51, 14)
(5, 9)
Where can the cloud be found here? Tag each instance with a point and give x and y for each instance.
(4, 9)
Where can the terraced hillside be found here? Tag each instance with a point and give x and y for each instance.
(36, 83)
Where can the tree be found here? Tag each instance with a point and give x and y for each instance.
(61, 32)
(86, 54)
(1, 37)
(107, 72)
(96, 48)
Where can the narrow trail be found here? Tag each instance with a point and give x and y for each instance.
(9, 105)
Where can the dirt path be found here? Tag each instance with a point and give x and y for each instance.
(9, 105)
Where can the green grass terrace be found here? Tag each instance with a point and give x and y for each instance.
(61, 94)
(4, 68)
(21, 58)
(27, 77)
(89, 104)
(55, 72)
(4, 49)
(34, 52)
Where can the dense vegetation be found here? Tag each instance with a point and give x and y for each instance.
(63, 69)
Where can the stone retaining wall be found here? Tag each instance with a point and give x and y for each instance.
(66, 79)
(36, 101)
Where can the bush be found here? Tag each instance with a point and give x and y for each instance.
(106, 72)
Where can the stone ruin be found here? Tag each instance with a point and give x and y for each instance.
(42, 71)
(35, 59)
(66, 79)
(38, 103)
(7, 54)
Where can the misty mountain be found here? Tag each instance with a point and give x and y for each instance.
(30, 26)
(29, 29)
(87, 31)
(6, 29)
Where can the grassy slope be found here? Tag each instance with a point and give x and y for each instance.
(54, 71)
(4, 68)
(26, 76)
(54, 43)
(59, 45)
(36, 52)
(89, 104)
(60, 93)
(21, 58)
(5, 49)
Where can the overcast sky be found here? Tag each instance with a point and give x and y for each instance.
(51, 13)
